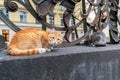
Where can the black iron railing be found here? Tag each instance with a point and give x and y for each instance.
(44, 7)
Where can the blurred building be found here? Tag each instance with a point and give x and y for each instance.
(23, 19)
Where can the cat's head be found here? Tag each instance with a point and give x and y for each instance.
(55, 38)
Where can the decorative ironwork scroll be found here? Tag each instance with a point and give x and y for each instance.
(44, 7)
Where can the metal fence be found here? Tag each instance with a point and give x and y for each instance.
(100, 7)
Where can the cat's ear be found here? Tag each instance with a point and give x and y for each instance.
(53, 30)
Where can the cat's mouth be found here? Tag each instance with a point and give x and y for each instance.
(53, 43)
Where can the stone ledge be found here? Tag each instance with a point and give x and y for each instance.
(70, 63)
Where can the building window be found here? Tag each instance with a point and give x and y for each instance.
(5, 33)
(6, 12)
(37, 22)
(23, 17)
(62, 8)
(61, 21)
(51, 19)
(72, 22)
(23, 0)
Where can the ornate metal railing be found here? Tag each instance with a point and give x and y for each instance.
(44, 7)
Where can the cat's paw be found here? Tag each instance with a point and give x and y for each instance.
(51, 47)
(42, 50)
(48, 49)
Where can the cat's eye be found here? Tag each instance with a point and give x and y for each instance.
(52, 38)
(58, 39)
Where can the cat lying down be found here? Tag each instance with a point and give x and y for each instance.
(33, 41)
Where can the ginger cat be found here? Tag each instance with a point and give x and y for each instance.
(33, 41)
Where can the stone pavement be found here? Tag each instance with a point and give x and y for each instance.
(69, 63)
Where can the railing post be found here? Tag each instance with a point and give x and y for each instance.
(84, 11)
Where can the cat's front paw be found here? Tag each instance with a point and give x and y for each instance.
(42, 50)
(48, 49)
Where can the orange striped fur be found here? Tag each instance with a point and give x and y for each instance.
(33, 41)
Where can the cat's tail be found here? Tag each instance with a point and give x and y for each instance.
(18, 52)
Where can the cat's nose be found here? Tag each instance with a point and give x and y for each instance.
(56, 42)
